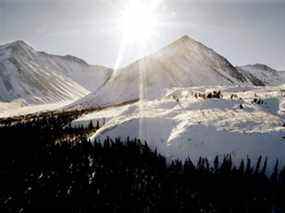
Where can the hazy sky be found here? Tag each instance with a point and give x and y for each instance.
(242, 31)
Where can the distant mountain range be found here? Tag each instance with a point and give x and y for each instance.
(34, 77)
(263, 75)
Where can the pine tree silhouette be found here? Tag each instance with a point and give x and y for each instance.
(47, 164)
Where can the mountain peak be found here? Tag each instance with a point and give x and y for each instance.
(18, 46)
(262, 66)
(182, 40)
(184, 43)
(185, 38)
(264, 74)
(184, 63)
(19, 43)
(75, 59)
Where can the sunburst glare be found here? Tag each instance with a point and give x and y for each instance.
(138, 21)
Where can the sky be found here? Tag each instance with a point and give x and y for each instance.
(245, 32)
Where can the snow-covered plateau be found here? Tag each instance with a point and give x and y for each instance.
(244, 122)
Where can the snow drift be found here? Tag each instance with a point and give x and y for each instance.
(201, 127)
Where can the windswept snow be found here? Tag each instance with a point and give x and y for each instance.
(180, 125)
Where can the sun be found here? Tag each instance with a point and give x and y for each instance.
(138, 22)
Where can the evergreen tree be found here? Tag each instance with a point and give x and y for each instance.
(257, 167)
(216, 164)
(43, 164)
(263, 170)
(274, 175)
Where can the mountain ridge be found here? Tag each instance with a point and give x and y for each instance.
(183, 63)
(37, 77)
(263, 73)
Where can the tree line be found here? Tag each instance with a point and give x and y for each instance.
(43, 167)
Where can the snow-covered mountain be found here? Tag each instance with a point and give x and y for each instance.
(37, 77)
(201, 127)
(263, 75)
(183, 63)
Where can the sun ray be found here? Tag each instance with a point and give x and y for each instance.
(138, 21)
(138, 24)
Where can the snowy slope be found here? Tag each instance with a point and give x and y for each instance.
(183, 63)
(91, 77)
(9, 106)
(15, 109)
(198, 127)
(37, 77)
(263, 74)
